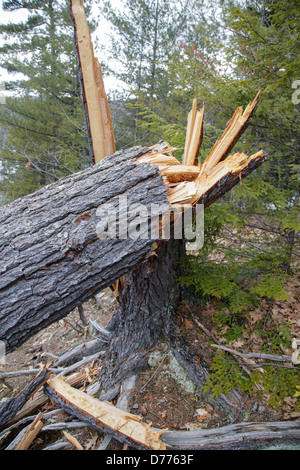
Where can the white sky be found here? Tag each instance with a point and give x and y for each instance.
(21, 15)
(5, 18)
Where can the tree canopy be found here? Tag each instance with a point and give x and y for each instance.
(43, 119)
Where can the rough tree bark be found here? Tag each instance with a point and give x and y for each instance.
(53, 260)
(51, 257)
(146, 296)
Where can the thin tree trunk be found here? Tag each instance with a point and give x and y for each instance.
(154, 56)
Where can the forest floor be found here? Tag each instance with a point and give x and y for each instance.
(163, 394)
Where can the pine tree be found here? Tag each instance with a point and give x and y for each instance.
(44, 118)
(264, 48)
(145, 34)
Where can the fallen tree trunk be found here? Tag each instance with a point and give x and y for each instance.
(51, 257)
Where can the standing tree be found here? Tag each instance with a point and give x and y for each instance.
(145, 34)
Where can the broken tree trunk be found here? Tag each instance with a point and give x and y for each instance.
(51, 257)
(51, 253)
(57, 252)
(99, 126)
(102, 415)
(147, 294)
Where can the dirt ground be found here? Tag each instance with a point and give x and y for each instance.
(163, 394)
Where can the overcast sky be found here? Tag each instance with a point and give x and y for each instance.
(21, 15)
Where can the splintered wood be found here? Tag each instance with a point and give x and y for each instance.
(235, 127)
(108, 133)
(94, 97)
(188, 181)
(194, 135)
(101, 414)
(31, 433)
(191, 183)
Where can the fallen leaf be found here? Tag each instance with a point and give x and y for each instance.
(143, 409)
(203, 414)
(255, 316)
(188, 324)
(237, 343)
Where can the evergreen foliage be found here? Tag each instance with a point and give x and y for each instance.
(44, 118)
(145, 35)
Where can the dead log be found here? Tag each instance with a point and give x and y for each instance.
(249, 435)
(10, 408)
(51, 253)
(102, 415)
(52, 259)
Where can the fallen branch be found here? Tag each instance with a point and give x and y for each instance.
(58, 446)
(236, 436)
(270, 357)
(26, 420)
(64, 425)
(104, 416)
(78, 353)
(39, 399)
(67, 370)
(103, 333)
(30, 433)
(57, 370)
(19, 373)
